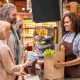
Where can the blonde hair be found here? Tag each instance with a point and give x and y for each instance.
(3, 25)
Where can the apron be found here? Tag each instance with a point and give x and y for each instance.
(71, 71)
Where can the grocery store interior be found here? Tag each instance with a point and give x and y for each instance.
(39, 30)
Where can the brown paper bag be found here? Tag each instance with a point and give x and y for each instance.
(49, 71)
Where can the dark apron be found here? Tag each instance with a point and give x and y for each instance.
(71, 71)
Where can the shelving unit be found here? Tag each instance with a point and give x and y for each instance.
(28, 27)
(72, 7)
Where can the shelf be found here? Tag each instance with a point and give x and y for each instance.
(27, 36)
(28, 43)
(72, 7)
(27, 28)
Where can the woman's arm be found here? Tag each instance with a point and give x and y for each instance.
(72, 62)
(68, 63)
(8, 64)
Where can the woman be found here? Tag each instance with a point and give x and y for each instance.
(8, 69)
(71, 42)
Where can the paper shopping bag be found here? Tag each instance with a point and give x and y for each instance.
(50, 72)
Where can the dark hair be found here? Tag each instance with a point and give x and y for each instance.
(75, 19)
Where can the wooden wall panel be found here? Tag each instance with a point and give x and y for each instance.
(20, 5)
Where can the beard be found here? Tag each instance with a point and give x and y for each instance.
(12, 21)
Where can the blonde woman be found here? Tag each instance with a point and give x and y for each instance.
(7, 67)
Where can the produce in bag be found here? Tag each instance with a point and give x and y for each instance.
(49, 52)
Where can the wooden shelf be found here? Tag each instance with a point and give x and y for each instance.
(72, 7)
(27, 35)
(27, 28)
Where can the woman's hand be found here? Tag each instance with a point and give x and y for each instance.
(20, 73)
(59, 65)
(28, 62)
